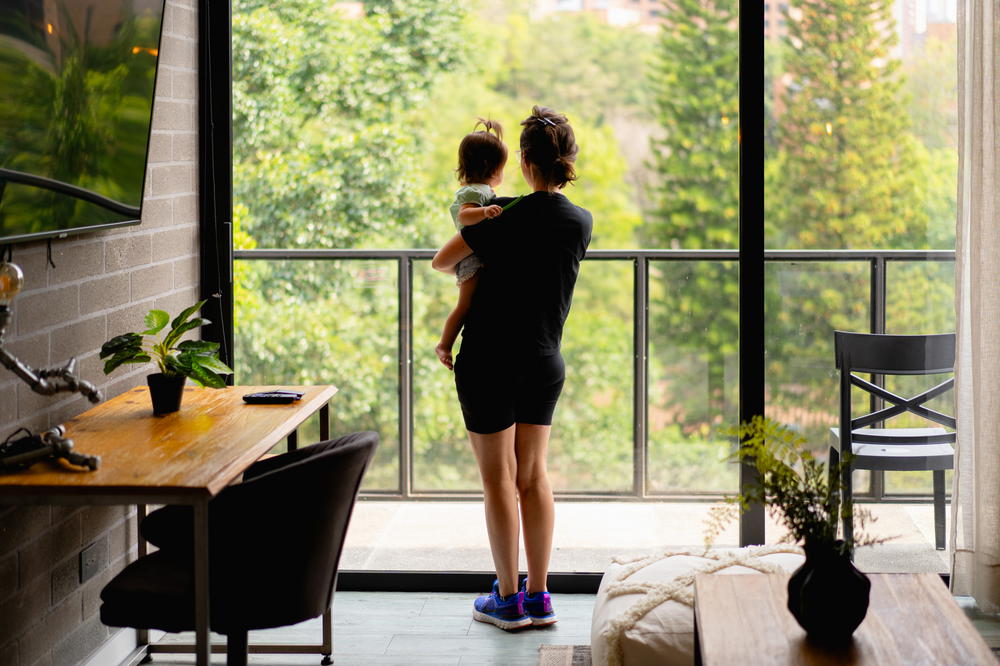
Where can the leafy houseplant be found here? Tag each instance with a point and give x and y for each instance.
(176, 360)
(827, 595)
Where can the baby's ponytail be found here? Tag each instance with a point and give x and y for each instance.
(490, 125)
(548, 142)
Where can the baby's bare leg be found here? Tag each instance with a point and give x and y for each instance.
(453, 324)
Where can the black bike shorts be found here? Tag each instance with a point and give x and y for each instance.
(497, 391)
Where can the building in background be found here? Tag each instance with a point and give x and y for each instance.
(915, 19)
(643, 13)
(918, 20)
(775, 19)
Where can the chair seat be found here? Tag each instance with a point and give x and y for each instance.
(900, 449)
(154, 592)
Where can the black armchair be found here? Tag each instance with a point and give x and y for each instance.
(274, 547)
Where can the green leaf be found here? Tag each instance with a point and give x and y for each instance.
(155, 320)
(183, 316)
(205, 377)
(122, 357)
(177, 332)
(199, 346)
(212, 363)
(202, 369)
(120, 343)
(175, 366)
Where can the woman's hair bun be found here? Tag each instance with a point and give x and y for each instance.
(548, 142)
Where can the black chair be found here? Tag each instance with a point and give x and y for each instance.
(274, 547)
(894, 449)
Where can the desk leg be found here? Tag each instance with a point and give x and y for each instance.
(202, 607)
(141, 635)
(293, 440)
(324, 422)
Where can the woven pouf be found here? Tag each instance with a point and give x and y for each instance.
(643, 613)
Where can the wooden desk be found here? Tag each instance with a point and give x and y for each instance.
(912, 619)
(182, 458)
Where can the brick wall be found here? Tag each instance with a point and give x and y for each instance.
(101, 286)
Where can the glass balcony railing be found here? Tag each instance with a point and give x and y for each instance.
(651, 348)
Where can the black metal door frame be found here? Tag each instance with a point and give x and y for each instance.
(215, 171)
(751, 297)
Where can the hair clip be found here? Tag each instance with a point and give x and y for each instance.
(546, 120)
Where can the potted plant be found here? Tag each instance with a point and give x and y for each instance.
(827, 595)
(176, 359)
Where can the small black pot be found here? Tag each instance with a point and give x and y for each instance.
(827, 595)
(166, 392)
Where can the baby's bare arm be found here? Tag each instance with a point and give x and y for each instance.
(473, 214)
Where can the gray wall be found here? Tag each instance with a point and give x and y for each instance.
(102, 286)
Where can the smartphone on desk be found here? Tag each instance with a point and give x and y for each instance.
(276, 397)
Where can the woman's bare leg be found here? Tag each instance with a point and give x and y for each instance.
(498, 471)
(531, 443)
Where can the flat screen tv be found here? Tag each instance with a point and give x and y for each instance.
(76, 98)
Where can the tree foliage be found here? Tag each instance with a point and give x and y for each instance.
(695, 192)
(846, 173)
(362, 155)
(346, 133)
(696, 93)
(318, 102)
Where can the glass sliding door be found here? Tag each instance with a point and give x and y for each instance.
(860, 180)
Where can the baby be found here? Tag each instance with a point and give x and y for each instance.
(481, 158)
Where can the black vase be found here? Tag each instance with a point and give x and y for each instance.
(166, 392)
(827, 595)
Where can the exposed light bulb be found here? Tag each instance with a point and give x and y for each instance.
(11, 281)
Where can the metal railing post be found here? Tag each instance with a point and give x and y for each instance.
(405, 375)
(640, 360)
(876, 477)
(878, 295)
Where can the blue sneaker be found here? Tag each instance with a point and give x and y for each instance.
(505, 612)
(538, 606)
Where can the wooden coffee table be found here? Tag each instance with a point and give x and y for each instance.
(912, 619)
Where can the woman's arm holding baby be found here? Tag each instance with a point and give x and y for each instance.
(450, 254)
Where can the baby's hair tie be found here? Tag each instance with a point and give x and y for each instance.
(546, 121)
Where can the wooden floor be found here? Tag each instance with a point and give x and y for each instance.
(417, 628)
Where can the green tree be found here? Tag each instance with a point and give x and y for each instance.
(848, 172)
(591, 71)
(847, 165)
(932, 87)
(323, 158)
(338, 148)
(695, 182)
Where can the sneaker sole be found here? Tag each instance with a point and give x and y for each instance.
(506, 625)
(544, 621)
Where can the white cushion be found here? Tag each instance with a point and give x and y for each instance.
(643, 611)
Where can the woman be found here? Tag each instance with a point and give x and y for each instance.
(509, 371)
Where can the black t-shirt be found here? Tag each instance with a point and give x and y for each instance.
(531, 256)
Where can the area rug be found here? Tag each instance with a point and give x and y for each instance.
(564, 655)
